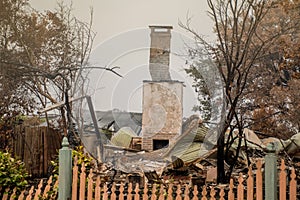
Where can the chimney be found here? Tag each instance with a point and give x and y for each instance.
(160, 53)
(162, 97)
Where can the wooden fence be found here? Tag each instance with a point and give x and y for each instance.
(87, 185)
(36, 146)
(247, 186)
(44, 190)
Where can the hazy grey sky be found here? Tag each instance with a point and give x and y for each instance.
(123, 40)
(113, 17)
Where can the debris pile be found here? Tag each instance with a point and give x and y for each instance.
(190, 159)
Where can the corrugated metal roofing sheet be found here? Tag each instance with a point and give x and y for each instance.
(123, 137)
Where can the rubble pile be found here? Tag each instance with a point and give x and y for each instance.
(188, 160)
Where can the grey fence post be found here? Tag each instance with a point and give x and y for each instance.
(65, 171)
(271, 173)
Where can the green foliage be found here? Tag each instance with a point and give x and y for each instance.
(54, 171)
(82, 157)
(201, 88)
(12, 172)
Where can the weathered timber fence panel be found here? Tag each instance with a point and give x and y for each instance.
(36, 146)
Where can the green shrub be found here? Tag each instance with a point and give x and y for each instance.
(82, 157)
(12, 172)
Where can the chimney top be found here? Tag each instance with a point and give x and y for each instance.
(160, 28)
(160, 52)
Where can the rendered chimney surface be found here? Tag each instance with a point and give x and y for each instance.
(162, 97)
(160, 52)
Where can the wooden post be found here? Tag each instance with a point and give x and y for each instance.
(65, 171)
(137, 189)
(271, 173)
(195, 193)
(250, 184)
(82, 182)
(90, 185)
(98, 189)
(282, 181)
(161, 192)
(293, 185)
(259, 181)
(240, 188)
(75, 180)
(95, 123)
(231, 193)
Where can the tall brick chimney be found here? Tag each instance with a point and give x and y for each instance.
(160, 52)
(162, 97)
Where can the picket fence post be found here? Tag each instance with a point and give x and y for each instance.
(65, 171)
(271, 173)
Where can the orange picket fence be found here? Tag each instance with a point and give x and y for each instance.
(87, 185)
(44, 190)
(248, 186)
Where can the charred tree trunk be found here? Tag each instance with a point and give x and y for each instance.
(71, 135)
(220, 161)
